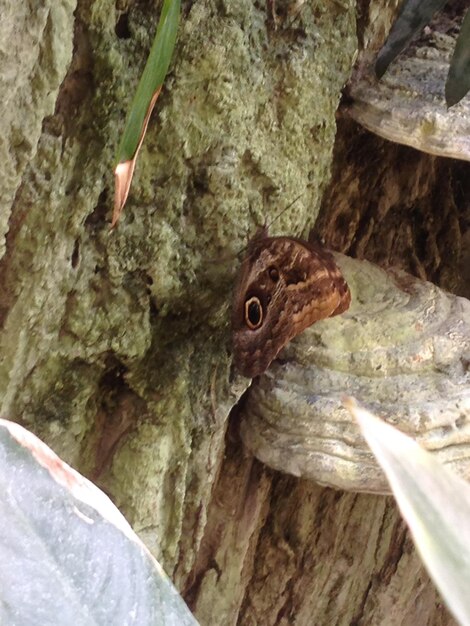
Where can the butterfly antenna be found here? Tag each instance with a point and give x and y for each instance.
(268, 226)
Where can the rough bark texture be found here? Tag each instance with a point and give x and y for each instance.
(398, 207)
(114, 345)
(279, 550)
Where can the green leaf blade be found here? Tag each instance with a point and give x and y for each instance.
(413, 15)
(458, 79)
(434, 502)
(152, 78)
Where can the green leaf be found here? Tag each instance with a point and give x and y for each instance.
(414, 14)
(152, 78)
(68, 555)
(458, 79)
(434, 502)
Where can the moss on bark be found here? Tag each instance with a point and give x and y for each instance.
(115, 345)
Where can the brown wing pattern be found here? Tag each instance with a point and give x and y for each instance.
(290, 284)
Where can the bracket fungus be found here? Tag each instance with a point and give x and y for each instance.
(407, 105)
(402, 350)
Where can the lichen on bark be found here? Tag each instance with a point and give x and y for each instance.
(133, 323)
(115, 345)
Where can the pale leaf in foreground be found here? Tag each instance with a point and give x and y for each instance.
(68, 555)
(434, 502)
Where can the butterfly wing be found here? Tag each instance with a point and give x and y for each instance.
(284, 286)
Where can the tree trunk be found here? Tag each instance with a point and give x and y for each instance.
(115, 345)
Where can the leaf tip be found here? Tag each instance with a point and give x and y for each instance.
(383, 60)
(122, 182)
(349, 402)
(451, 96)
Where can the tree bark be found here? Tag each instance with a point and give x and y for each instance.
(115, 345)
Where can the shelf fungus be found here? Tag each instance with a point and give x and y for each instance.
(402, 350)
(407, 105)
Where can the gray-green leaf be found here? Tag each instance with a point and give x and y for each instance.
(68, 556)
(458, 79)
(414, 14)
(435, 504)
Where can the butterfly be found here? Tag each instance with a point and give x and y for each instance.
(284, 285)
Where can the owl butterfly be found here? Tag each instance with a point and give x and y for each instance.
(284, 286)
